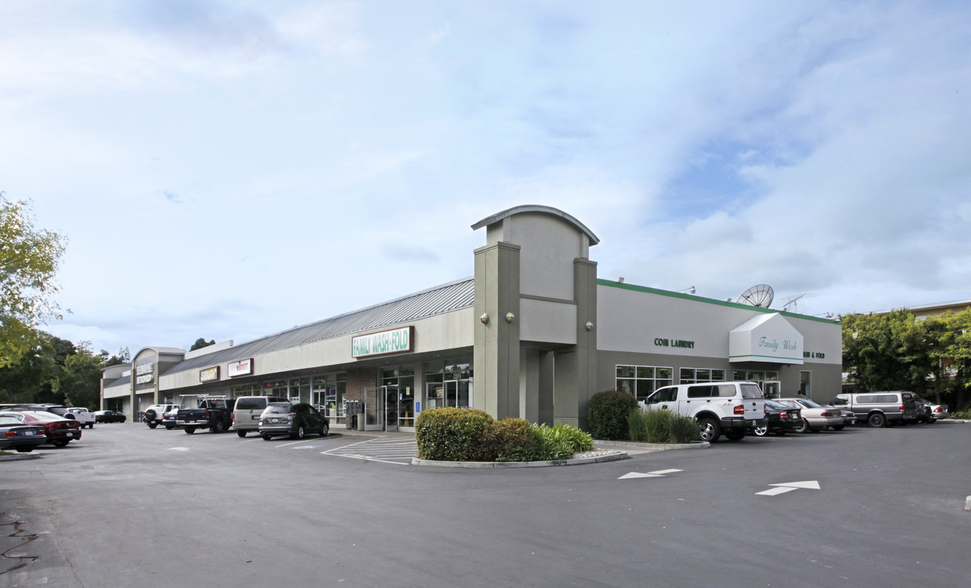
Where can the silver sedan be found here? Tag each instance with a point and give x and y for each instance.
(814, 417)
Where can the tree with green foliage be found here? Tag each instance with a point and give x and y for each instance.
(200, 343)
(898, 352)
(29, 259)
(79, 380)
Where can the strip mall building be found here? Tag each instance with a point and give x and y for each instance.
(533, 334)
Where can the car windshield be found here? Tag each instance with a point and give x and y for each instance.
(277, 409)
(45, 416)
(773, 404)
(8, 420)
(809, 403)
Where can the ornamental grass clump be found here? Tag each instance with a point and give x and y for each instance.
(661, 426)
(608, 412)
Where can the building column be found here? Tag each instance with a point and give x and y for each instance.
(496, 359)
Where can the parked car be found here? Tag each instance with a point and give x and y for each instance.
(58, 430)
(733, 407)
(779, 419)
(16, 435)
(879, 409)
(169, 418)
(815, 417)
(295, 420)
(247, 411)
(109, 416)
(929, 412)
(83, 417)
(154, 413)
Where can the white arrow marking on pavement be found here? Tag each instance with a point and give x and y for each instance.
(655, 474)
(789, 487)
(809, 485)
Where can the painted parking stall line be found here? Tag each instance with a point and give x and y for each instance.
(394, 451)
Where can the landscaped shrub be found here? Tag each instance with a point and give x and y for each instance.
(962, 414)
(578, 440)
(608, 412)
(503, 439)
(450, 434)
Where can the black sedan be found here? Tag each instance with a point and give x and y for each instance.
(779, 419)
(295, 420)
(16, 435)
(109, 416)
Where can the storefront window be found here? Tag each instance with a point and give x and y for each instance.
(641, 381)
(700, 375)
(328, 393)
(448, 384)
(768, 381)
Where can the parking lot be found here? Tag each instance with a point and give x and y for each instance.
(132, 506)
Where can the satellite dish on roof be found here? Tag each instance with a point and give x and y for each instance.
(760, 295)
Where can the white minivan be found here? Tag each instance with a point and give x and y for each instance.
(247, 411)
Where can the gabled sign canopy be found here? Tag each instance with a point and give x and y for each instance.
(766, 338)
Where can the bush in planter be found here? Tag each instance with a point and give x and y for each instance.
(661, 426)
(683, 429)
(451, 434)
(608, 413)
(505, 440)
(576, 439)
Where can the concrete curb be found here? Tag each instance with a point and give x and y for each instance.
(967, 503)
(649, 447)
(519, 464)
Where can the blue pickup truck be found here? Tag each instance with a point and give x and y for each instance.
(215, 414)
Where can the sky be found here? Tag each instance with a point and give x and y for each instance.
(229, 170)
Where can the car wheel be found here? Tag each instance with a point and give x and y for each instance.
(168, 427)
(217, 427)
(709, 430)
(152, 425)
(761, 430)
(190, 430)
(24, 449)
(877, 420)
(929, 421)
(324, 429)
(265, 437)
(838, 427)
(241, 433)
(735, 435)
(802, 427)
(60, 442)
(299, 434)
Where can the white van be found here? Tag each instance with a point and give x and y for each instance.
(247, 411)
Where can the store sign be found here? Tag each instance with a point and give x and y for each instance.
(145, 373)
(243, 367)
(766, 338)
(661, 342)
(384, 342)
(209, 375)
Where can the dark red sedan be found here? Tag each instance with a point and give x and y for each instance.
(60, 431)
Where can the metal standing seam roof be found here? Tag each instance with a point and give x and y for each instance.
(434, 301)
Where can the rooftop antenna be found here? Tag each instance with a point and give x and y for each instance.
(760, 295)
(791, 301)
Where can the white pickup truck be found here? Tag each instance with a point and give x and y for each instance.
(84, 417)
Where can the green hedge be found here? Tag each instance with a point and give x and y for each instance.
(608, 413)
(454, 434)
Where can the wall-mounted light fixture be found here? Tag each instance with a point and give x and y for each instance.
(484, 318)
(589, 326)
(510, 317)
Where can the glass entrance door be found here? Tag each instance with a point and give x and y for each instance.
(390, 395)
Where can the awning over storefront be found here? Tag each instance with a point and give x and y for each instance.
(766, 338)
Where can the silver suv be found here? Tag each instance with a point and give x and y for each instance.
(153, 414)
(247, 411)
